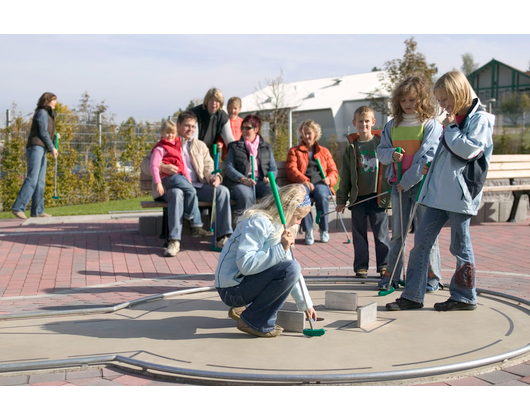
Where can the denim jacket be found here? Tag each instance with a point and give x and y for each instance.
(253, 248)
(444, 186)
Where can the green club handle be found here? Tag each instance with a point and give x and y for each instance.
(422, 181)
(56, 141)
(398, 149)
(252, 162)
(276, 196)
(216, 160)
(320, 169)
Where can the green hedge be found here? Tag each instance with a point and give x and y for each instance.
(87, 173)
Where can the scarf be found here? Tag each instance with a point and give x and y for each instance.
(252, 148)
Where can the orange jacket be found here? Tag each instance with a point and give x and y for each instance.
(298, 159)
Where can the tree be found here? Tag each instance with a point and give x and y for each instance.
(514, 105)
(274, 106)
(413, 63)
(13, 158)
(468, 64)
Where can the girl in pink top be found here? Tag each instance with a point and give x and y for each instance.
(168, 150)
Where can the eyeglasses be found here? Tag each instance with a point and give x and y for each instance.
(247, 128)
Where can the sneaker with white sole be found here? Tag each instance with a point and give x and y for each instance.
(172, 248)
(199, 232)
(324, 236)
(309, 239)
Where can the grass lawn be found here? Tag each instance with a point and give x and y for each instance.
(93, 208)
(96, 208)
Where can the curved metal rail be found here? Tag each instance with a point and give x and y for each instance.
(249, 377)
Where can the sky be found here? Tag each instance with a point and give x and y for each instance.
(151, 75)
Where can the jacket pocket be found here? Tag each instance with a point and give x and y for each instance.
(466, 196)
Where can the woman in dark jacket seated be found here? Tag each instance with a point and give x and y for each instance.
(239, 169)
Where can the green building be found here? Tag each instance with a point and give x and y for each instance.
(494, 80)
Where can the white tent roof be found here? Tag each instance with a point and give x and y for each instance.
(315, 94)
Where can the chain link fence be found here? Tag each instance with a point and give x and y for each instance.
(99, 160)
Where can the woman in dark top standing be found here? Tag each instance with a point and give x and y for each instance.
(39, 142)
(212, 122)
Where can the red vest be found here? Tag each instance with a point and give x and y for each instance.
(173, 155)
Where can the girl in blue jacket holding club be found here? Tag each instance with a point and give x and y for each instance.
(256, 272)
(451, 192)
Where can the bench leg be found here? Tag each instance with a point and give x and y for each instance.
(516, 199)
(165, 227)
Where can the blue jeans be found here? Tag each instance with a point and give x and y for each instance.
(191, 203)
(369, 210)
(462, 288)
(175, 210)
(244, 196)
(33, 186)
(265, 293)
(408, 199)
(321, 195)
(223, 211)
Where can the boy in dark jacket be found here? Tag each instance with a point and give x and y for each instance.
(362, 177)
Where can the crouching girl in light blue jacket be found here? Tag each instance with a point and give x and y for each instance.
(256, 272)
(452, 193)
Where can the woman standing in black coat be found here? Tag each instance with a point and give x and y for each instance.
(212, 121)
(39, 142)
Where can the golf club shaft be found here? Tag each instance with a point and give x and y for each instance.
(323, 175)
(358, 202)
(400, 174)
(282, 219)
(404, 240)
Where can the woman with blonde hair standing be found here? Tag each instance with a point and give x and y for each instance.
(212, 122)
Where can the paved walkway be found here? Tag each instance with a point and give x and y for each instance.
(84, 262)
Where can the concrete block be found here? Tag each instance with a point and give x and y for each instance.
(491, 211)
(334, 221)
(366, 315)
(505, 207)
(159, 223)
(342, 301)
(520, 215)
(147, 225)
(479, 218)
(292, 321)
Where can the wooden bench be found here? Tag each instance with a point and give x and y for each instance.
(513, 168)
(146, 185)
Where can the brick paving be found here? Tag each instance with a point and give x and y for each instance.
(84, 263)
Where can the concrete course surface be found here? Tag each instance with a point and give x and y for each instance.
(79, 264)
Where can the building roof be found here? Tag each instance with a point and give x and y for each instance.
(493, 61)
(308, 95)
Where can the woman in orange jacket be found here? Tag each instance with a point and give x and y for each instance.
(302, 168)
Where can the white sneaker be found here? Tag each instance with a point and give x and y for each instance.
(173, 248)
(309, 240)
(324, 236)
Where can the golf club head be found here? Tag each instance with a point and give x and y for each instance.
(386, 292)
(55, 197)
(314, 333)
